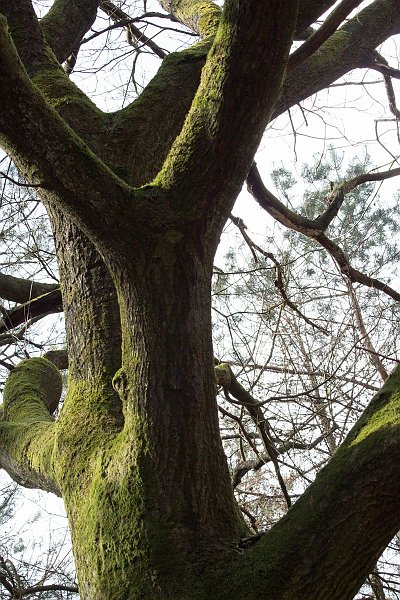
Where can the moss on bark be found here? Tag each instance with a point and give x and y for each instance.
(27, 428)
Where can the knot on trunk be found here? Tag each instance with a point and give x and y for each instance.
(120, 383)
(223, 375)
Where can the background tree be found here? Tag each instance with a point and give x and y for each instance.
(28, 569)
(137, 203)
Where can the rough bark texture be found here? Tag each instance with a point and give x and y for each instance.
(136, 452)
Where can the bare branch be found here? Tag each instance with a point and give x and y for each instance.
(50, 302)
(244, 467)
(226, 379)
(313, 228)
(123, 19)
(279, 283)
(361, 326)
(323, 33)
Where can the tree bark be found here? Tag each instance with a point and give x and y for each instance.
(160, 486)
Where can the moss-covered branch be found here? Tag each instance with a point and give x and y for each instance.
(27, 429)
(347, 49)
(232, 87)
(310, 553)
(41, 64)
(141, 134)
(201, 16)
(339, 55)
(66, 23)
(56, 159)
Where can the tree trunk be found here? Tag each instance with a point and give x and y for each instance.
(151, 504)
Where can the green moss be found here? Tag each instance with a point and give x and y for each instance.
(60, 90)
(329, 51)
(383, 413)
(202, 16)
(107, 492)
(223, 374)
(32, 391)
(87, 420)
(174, 63)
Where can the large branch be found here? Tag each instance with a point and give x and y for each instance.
(310, 552)
(36, 300)
(66, 23)
(233, 88)
(202, 16)
(27, 429)
(16, 289)
(329, 27)
(141, 134)
(55, 159)
(347, 49)
(315, 228)
(41, 65)
(24, 27)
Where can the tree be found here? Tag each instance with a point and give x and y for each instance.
(137, 201)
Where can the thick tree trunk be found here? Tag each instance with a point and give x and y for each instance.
(149, 500)
(168, 366)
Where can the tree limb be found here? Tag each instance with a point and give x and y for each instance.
(16, 289)
(43, 305)
(323, 33)
(201, 16)
(41, 65)
(84, 184)
(348, 48)
(230, 85)
(366, 467)
(315, 228)
(228, 381)
(27, 429)
(66, 23)
(118, 15)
